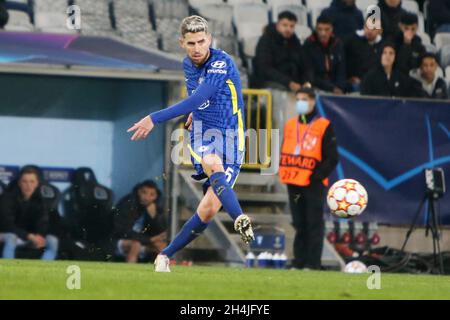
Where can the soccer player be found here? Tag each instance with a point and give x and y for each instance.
(215, 108)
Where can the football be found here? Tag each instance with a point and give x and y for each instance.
(347, 198)
(355, 267)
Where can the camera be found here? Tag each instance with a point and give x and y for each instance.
(435, 182)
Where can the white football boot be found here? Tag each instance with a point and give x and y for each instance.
(243, 225)
(162, 263)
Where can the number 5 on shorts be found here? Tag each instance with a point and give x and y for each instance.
(229, 174)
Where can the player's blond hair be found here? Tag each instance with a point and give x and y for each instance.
(194, 24)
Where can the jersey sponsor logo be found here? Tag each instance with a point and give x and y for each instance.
(219, 64)
(221, 71)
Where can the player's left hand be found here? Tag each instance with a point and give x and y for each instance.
(142, 128)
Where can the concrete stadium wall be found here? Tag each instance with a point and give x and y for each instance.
(73, 122)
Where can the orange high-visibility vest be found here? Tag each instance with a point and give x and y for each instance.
(301, 150)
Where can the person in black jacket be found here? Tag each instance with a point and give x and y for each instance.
(139, 223)
(409, 45)
(279, 61)
(327, 56)
(391, 13)
(385, 80)
(362, 52)
(25, 219)
(439, 15)
(434, 86)
(4, 16)
(346, 17)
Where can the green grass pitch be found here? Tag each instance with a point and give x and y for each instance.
(30, 279)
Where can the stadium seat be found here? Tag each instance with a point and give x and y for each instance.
(426, 40)
(303, 32)
(299, 10)
(50, 5)
(226, 43)
(133, 23)
(135, 8)
(18, 21)
(221, 24)
(168, 30)
(170, 9)
(445, 56)
(200, 3)
(249, 45)
(410, 5)
(431, 48)
(421, 22)
(240, 2)
(250, 19)
(317, 3)
(364, 4)
(87, 207)
(441, 39)
(95, 17)
(53, 22)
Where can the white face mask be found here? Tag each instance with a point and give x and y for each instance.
(302, 107)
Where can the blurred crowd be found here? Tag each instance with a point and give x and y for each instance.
(37, 221)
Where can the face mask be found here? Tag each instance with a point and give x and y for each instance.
(302, 106)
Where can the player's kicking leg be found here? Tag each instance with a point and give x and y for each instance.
(207, 208)
(213, 167)
(218, 194)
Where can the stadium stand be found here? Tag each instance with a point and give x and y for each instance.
(19, 21)
(168, 15)
(96, 19)
(441, 39)
(250, 20)
(133, 23)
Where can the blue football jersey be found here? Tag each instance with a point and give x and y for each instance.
(225, 110)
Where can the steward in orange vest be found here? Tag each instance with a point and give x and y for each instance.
(308, 156)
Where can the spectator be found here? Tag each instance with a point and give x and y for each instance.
(4, 16)
(346, 17)
(308, 156)
(409, 44)
(326, 53)
(386, 80)
(439, 14)
(434, 86)
(140, 223)
(279, 61)
(391, 13)
(362, 51)
(24, 218)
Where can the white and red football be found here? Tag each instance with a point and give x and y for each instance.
(347, 198)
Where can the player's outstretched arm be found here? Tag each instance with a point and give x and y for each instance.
(142, 128)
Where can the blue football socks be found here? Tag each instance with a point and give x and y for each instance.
(225, 194)
(191, 230)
